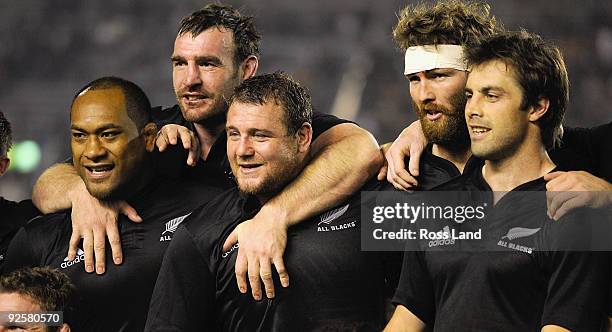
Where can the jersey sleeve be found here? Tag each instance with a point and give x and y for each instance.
(415, 288)
(184, 293)
(576, 299)
(322, 122)
(591, 144)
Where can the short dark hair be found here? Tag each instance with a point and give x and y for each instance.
(284, 91)
(136, 102)
(6, 135)
(246, 37)
(446, 22)
(540, 72)
(48, 287)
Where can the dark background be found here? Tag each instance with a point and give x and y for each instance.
(341, 50)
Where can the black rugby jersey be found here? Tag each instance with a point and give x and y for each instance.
(215, 170)
(118, 300)
(510, 288)
(586, 149)
(13, 215)
(334, 285)
(434, 170)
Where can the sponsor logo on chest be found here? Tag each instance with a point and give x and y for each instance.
(80, 257)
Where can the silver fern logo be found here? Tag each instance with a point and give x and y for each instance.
(332, 215)
(171, 227)
(519, 232)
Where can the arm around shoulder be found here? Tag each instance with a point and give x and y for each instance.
(53, 189)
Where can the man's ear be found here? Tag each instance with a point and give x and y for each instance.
(248, 67)
(150, 134)
(304, 136)
(4, 165)
(538, 110)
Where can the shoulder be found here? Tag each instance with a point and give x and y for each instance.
(171, 115)
(215, 214)
(321, 122)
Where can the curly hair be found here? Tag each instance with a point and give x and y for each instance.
(48, 287)
(446, 22)
(282, 89)
(246, 37)
(540, 72)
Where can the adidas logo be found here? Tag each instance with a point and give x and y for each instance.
(80, 256)
(445, 239)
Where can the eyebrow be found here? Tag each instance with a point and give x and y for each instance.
(209, 58)
(98, 129)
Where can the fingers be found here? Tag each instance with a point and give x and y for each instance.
(265, 272)
(415, 158)
(555, 199)
(382, 173)
(568, 205)
(231, 240)
(73, 246)
(190, 143)
(253, 269)
(88, 248)
(161, 141)
(279, 264)
(552, 175)
(112, 231)
(99, 246)
(241, 270)
(129, 211)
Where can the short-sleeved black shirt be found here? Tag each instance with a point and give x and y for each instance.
(13, 215)
(215, 170)
(118, 300)
(334, 285)
(505, 290)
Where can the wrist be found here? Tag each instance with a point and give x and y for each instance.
(77, 192)
(276, 214)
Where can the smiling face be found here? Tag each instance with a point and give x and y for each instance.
(204, 73)
(107, 150)
(496, 123)
(438, 99)
(263, 156)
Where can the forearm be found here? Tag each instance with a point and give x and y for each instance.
(53, 188)
(336, 171)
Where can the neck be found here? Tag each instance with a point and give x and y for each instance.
(529, 162)
(456, 155)
(134, 187)
(207, 134)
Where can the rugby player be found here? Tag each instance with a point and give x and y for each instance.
(436, 71)
(215, 49)
(517, 92)
(110, 131)
(269, 136)
(12, 214)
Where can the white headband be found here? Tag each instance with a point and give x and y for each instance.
(428, 57)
